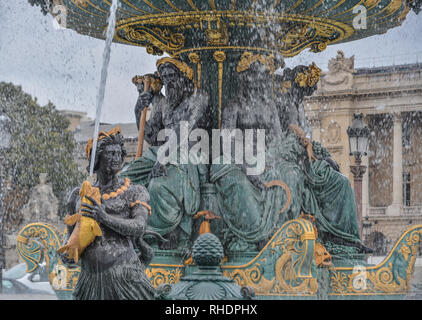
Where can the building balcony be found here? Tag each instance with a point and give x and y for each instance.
(404, 211)
(416, 211)
(377, 211)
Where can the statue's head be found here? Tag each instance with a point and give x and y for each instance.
(256, 70)
(177, 78)
(302, 80)
(110, 153)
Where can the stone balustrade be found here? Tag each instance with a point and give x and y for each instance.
(404, 211)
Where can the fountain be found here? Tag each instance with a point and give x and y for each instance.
(228, 49)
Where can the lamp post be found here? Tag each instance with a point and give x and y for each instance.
(366, 230)
(5, 137)
(358, 134)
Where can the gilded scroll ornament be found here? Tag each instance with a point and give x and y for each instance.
(161, 39)
(159, 276)
(284, 266)
(216, 31)
(38, 240)
(153, 50)
(392, 276)
(82, 3)
(299, 32)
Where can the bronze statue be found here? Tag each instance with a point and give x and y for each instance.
(173, 187)
(110, 267)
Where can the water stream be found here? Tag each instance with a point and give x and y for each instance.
(103, 80)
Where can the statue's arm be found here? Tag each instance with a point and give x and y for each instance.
(72, 208)
(135, 226)
(322, 154)
(155, 122)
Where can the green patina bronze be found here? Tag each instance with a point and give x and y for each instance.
(234, 48)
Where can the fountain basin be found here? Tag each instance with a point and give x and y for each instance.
(285, 27)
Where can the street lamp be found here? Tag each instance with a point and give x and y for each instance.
(5, 138)
(358, 134)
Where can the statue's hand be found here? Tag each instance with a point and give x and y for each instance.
(70, 263)
(333, 164)
(94, 211)
(144, 100)
(256, 181)
(159, 170)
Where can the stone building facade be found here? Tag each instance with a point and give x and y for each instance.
(391, 100)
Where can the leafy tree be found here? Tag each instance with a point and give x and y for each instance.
(415, 5)
(43, 4)
(40, 143)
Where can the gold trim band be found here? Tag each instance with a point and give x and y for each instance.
(22, 239)
(220, 57)
(307, 236)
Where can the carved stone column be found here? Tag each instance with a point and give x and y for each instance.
(395, 208)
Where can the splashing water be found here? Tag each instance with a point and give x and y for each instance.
(103, 80)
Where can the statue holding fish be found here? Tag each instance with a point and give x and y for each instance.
(106, 227)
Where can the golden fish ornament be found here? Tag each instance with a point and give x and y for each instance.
(86, 229)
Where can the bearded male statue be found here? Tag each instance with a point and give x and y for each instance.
(174, 186)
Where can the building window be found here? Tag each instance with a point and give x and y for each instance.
(406, 188)
(406, 134)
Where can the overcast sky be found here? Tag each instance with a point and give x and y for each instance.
(64, 67)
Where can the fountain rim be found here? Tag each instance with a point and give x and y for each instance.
(325, 28)
(162, 20)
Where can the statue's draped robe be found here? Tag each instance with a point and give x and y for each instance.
(330, 197)
(317, 189)
(175, 198)
(110, 266)
(253, 214)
